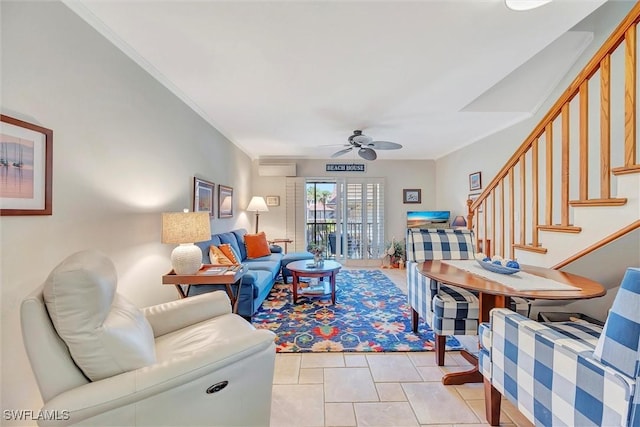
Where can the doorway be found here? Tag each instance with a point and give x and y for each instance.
(346, 217)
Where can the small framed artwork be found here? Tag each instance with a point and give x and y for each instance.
(203, 195)
(26, 166)
(475, 181)
(273, 200)
(473, 197)
(225, 201)
(411, 195)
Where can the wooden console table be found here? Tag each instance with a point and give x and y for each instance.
(285, 241)
(206, 276)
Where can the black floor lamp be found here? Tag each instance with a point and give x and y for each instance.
(258, 205)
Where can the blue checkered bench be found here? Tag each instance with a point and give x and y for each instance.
(449, 310)
(570, 373)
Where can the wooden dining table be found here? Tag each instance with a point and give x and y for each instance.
(493, 294)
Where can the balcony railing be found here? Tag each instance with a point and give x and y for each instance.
(324, 233)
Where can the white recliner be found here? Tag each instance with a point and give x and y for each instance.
(98, 360)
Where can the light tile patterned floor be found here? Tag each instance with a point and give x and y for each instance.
(388, 389)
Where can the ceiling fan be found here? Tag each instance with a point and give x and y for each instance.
(366, 146)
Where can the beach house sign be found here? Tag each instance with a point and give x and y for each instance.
(346, 167)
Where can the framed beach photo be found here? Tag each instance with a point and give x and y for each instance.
(203, 195)
(475, 181)
(26, 168)
(225, 201)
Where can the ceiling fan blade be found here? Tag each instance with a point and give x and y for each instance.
(384, 145)
(334, 145)
(367, 153)
(341, 152)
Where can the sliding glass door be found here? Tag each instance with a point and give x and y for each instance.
(346, 216)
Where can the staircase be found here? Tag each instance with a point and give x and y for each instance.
(573, 186)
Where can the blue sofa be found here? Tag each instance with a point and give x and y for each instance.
(260, 277)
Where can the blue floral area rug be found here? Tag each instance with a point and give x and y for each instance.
(371, 315)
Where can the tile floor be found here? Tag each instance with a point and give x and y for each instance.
(377, 389)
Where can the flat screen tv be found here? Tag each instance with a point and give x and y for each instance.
(427, 219)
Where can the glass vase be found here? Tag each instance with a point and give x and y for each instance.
(318, 260)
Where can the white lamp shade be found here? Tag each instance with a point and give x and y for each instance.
(257, 204)
(186, 228)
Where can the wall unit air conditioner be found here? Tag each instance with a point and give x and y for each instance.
(286, 169)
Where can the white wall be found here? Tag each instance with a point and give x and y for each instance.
(398, 175)
(125, 150)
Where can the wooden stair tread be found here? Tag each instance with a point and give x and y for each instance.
(531, 248)
(560, 228)
(623, 170)
(599, 202)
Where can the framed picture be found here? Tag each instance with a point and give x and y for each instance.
(203, 195)
(475, 181)
(411, 195)
(225, 201)
(473, 197)
(26, 168)
(273, 200)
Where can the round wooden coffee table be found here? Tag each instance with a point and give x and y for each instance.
(305, 268)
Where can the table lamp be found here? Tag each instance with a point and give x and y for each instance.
(459, 222)
(258, 205)
(185, 228)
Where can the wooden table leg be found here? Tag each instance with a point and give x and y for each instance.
(234, 298)
(473, 375)
(181, 292)
(295, 286)
(333, 287)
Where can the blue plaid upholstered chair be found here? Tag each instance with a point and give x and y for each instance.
(566, 373)
(449, 310)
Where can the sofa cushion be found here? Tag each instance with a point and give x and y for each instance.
(264, 264)
(256, 245)
(231, 239)
(105, 333)
(240, 233)
(230, 253)
(216, 256)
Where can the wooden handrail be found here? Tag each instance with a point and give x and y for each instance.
(628, 229)
(523, 208)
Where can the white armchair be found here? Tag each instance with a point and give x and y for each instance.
(98, 360)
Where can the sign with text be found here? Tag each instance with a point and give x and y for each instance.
(346, 167)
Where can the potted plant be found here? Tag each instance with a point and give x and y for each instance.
(318, 252)
(395, 251)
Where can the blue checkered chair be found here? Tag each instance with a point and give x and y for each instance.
(566, 373)
(449, 310)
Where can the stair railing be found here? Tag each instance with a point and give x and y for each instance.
(514, 207)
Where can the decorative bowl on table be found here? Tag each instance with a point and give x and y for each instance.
(497, 264)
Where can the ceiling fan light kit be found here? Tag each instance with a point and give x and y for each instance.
(366, 146)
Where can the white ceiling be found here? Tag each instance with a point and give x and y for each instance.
(288, 78)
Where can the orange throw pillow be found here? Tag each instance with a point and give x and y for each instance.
(229, 253)
(257, 245)
(218, 257)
